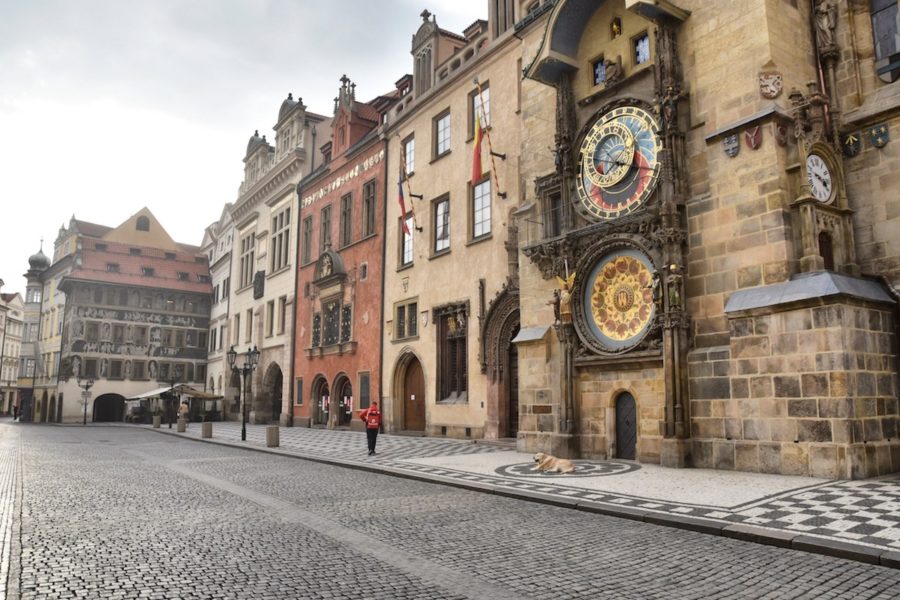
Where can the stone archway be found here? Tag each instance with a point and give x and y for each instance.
(499, 361)
(408, 408)
(269, 402)
(321, 399)
(343, 399)
(109, 408)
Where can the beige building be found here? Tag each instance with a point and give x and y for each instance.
(260, 301)
(451, 287)
(12, 326)
(218, 240)
(725, 204)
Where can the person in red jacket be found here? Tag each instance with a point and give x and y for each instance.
(372, 418)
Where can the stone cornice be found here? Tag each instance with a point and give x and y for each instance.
(273, 180)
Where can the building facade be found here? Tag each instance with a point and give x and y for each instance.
(135, 317)
(218, 240)
(451, 283)
(720, 229)
(337, 337)
(261, 300)
(12, 326)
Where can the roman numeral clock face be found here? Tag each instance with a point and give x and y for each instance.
(821, 183)
(618, 166)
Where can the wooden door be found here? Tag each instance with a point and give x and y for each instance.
(626, 426)
(512, 387)
(414, 397)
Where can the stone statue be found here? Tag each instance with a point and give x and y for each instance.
(614, 71)
(675, 277)
(565, 298)
(554, 302)
(826, 21)
(325, 269)
(654, 287)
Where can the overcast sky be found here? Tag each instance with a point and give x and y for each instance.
(107, 106)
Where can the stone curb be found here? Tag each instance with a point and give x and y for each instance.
(746, 533)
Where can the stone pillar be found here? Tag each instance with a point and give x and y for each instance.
(272, 436)
(206, 430)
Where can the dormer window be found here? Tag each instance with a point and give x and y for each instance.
(143, 224)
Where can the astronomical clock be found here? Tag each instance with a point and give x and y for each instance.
(615, 301)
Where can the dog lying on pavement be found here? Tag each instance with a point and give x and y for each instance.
(547, 463)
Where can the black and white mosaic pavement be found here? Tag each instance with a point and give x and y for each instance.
(859, 512)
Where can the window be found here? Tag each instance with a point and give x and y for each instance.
(221, 337)
(364, 387)
(368, 217)
(442, 134)
(139, 336)
(115, 369)
(137, 370)
(92, 331)
(599, 71)
(452, 352)
(248, 247)
(212, 339)
(134, 251)
(147, 271)
(182, 276)
(346, 323)
(317, 330)
(248, 324)
(346, 220)
(409, 155)
(363, 271)
(885, 25)
(100, 247)
(270, 318)
(552, 215)
(298, 397)
(476, 101)
(143, 224)
(237, 330)
(331, 325)
(503, 16)
(204, 278)
(282, 313)
(112, 267)
(441, 225)
(306, 250)
(325, 229)
(406, 320)
(642, 49)
(118, 334)
(481, 209)
(281, 239)
(406, 241)
(171, 256)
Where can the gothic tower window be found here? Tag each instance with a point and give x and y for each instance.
(826, 250)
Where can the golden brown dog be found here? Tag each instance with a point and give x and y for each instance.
(550, 464)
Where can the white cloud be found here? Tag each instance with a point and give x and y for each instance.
(110, 105)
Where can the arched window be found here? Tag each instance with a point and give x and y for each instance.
(143, 224)
(826, 250)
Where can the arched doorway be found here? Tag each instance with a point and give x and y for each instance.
(500, 361)
(626, 426)
(272, 390)
(344, 389)
(512, 386)
(109, 408)
(233, 396)
(414, 396)
(321, 398)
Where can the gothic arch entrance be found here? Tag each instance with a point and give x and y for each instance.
(272, 387)
(109, 408)
(321, 398)
(626, 426)
(344, 389)
(413, 394)
(500, 361)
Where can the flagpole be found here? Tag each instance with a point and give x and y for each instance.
(403, 177)
(487, 133)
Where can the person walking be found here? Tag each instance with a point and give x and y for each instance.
(372, 418)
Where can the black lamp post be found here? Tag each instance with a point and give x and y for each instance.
(85, 395)
(251, 359)
(171, 399)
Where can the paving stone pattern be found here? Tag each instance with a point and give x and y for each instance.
(116, 512)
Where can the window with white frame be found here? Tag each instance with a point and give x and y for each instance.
(409, 154)
(441, 224)
(406, 241)
(442, 134)
(248, 250)
(281, 240)
(481, 209)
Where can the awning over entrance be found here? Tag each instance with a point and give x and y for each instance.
(183, 389)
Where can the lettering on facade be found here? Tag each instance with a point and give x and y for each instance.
(343, 178)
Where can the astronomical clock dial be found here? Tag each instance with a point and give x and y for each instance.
(618, 166)
(821, 182)
(618, 299)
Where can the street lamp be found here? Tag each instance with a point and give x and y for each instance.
(85, 395)
(171, 399)
(251, 359)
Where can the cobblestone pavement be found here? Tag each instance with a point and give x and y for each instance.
(122, 512)
(859, 519)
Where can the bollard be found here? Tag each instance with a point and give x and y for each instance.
(272, 436)
(206, 430)
(157, 420)
(182, 425)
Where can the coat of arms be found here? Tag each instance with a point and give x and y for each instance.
(879, 135)
(851, 144)
(732, 145)
(770, 84)
(753, 137)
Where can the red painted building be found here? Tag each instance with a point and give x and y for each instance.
(337, 338)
